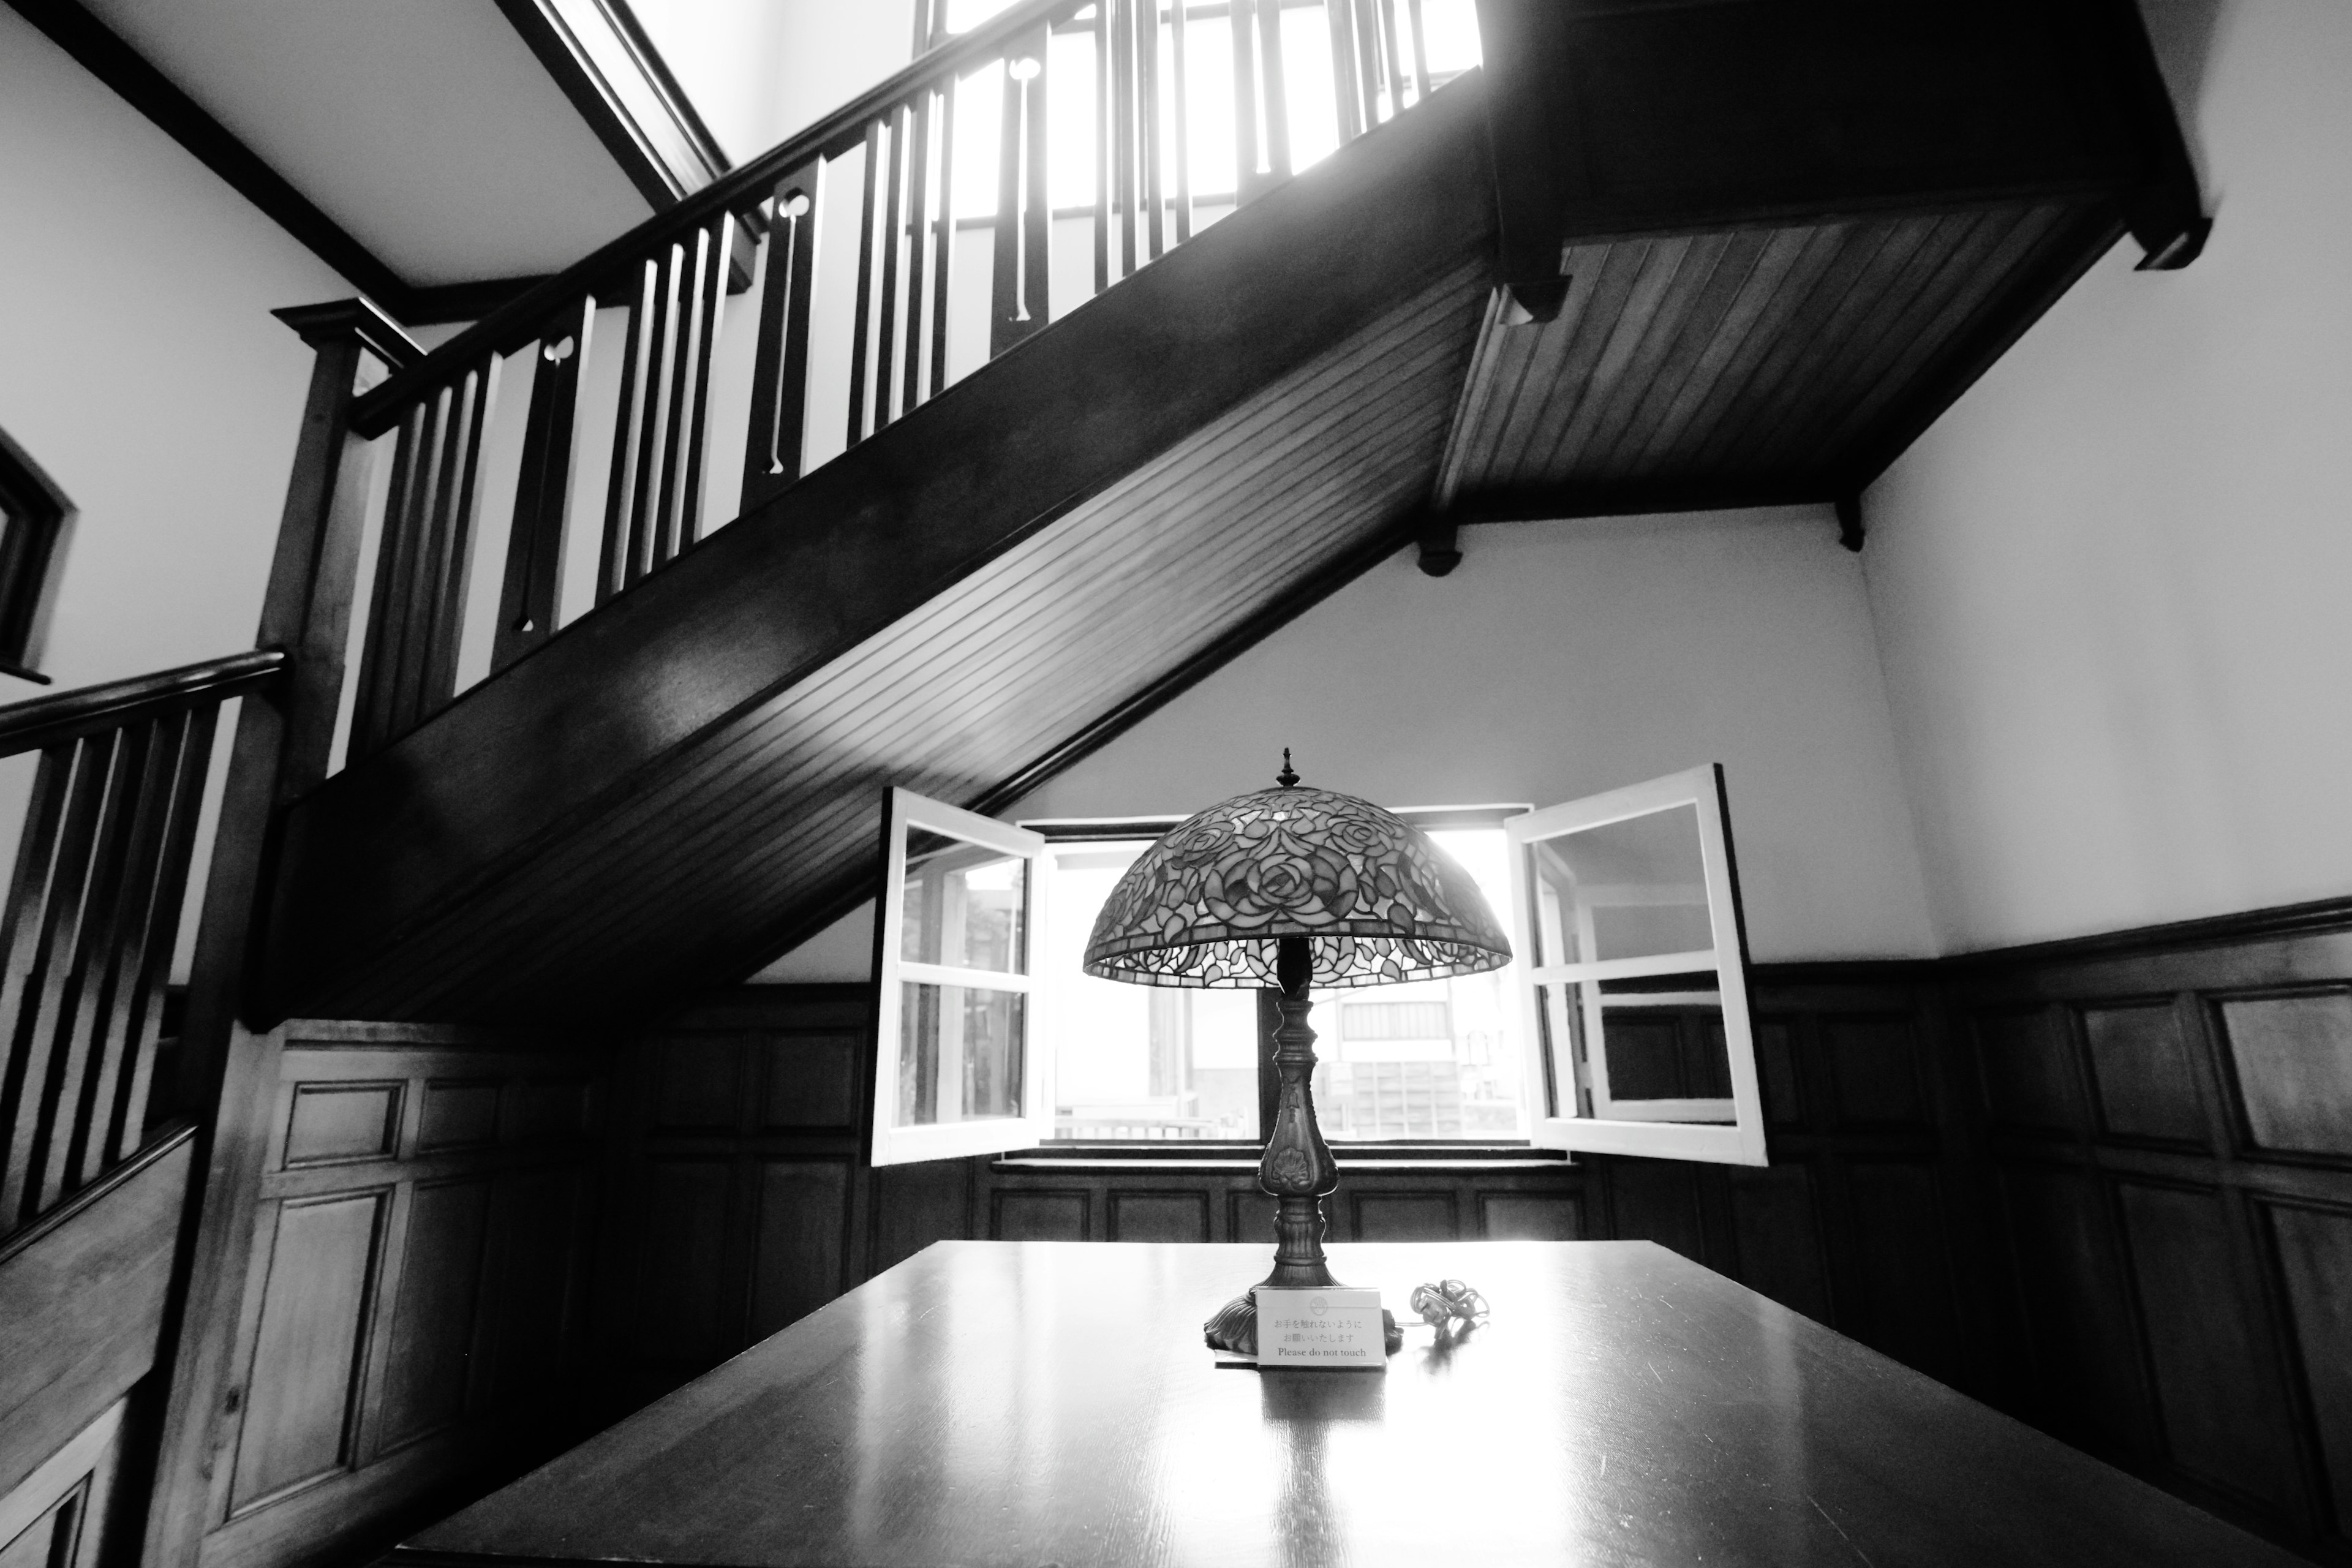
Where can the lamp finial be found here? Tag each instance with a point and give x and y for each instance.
(1286, 778)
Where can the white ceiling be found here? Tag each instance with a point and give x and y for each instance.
(425, 128)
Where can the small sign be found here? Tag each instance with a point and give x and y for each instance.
(1332, 1328)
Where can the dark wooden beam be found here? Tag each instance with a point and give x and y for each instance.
(600, 56)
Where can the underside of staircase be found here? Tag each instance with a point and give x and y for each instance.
(688, 778)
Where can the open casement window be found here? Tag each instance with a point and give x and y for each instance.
(1626, 911)
(956, 1070)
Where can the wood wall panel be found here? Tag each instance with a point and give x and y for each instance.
(1775, 1213)
(2292, 1054)
(2179, 1246)
(1406, 1216)
(1519, 1216)
(408, 1316)
(2141, 1068)
(683, 1296)
(1159, 1216)
(2077, 1307)
(1873, 1062)
(434, 1316)
(318, 1266)
(459, 1115)
(2313, 1248)
(1904, 1268)
(1048, 1215)
(332, 1122)
(2027, 1070)
(798, 1243)
(2223, 1412)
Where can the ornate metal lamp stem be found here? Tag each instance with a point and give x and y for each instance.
(1297, 1167)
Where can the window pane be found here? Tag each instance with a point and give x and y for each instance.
(1438, 1058)
(964, 905)
(1663, 1035)
(1634, 889)
(1139, 1061)
(962, 1053)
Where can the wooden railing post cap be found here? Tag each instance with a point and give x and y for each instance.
(357, 316)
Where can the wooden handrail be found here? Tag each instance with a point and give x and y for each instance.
(45, 721)
(520, 323)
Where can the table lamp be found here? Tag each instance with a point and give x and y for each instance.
(1289, 889)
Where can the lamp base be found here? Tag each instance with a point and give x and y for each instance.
(1232, 1328)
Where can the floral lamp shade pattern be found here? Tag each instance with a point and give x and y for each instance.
(1379, 902)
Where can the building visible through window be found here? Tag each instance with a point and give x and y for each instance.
(1438, 1059)
(33, 517)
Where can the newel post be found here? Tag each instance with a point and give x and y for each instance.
(283, 739)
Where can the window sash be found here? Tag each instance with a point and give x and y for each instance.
(888, 1142)
(1657, 1129)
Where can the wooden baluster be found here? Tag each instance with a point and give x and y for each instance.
(656, 390)
(146, 968)
(688, 438)
(1364, 19)
(1241, 21)
(894, 231)
(861, 321)
(1420, 52)
(1103, 150)
(534, 570)
(1347, 91)
(771, 456)
(917, 225)
(38, 1023)
(1121, 26)
(451, 563)
(374, 718)
(1024, 231)
(1182, 116)
(117, 868)
(1270, 81)
(1395, 61)
(943, 240)
(628, 456)
(20, 940)
(1148, 141)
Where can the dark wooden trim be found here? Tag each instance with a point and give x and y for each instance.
(38, 515)
(119, 66)
(24, 726)
(97, 48)
(646, 123)
(362, 318)
(2318, 917)
(1637, 499)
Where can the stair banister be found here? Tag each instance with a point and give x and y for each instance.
(683, 363)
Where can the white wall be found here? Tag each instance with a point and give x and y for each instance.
(2111, 582)
(759, 71)
(139, 367)
(1560, 660)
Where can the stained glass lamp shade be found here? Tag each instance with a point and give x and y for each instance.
(1288, 889)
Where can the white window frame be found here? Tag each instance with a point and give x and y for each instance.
(895, 1145)
(1642, 1130)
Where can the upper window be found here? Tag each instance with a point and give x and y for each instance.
(33, 517)
(1621, 1024)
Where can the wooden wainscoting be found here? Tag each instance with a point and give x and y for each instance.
(2165, 1138)
(410, 1318)
(738, 1203)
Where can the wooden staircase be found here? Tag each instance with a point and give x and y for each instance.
(1002, 571)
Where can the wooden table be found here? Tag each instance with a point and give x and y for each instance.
(1024, 1403)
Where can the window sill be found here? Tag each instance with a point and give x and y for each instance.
(1239, 1157)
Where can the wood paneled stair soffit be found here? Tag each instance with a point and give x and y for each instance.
(1005, 473)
